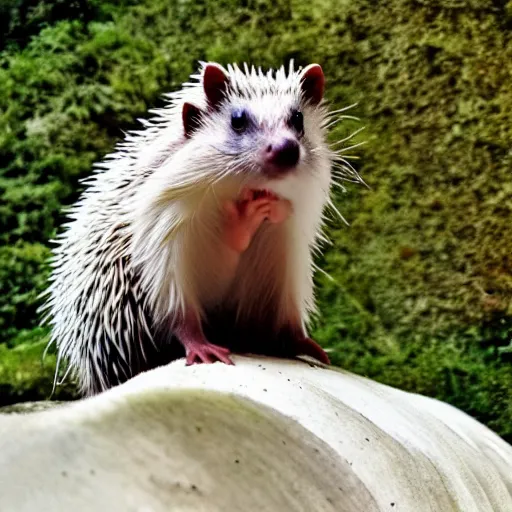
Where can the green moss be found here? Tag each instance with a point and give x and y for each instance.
(422, 279)
(25, 377)
(23, 278)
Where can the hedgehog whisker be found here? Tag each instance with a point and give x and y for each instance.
(352, 157)
(332, 206)
(342, 150)
(342, 163)
(352, 135)
(340, 182)
(225, 153)
(339, 171)
(339, 185)
(343, 109)
(338, 119)
(342, 167)
(347, 175)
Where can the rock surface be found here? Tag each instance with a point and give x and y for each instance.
(265, 434)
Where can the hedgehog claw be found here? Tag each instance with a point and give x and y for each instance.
(309, 347)
(204, 352)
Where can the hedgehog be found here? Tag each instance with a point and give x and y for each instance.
(196, 237)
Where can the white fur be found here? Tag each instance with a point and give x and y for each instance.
(147, 227)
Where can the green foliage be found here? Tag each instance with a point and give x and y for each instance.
(23, 278)
(25, 377)
(421, 287)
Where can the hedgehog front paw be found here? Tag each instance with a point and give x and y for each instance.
(204, 352)
(244, 216)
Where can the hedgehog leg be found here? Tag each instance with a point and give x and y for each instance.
(303, 345)
(308, 347)
(197, 347)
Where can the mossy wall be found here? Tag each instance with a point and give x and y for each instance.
(421, 287)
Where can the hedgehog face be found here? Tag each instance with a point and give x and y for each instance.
(270, 141)
(266, 127)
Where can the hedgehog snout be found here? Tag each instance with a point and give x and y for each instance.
(281, 156)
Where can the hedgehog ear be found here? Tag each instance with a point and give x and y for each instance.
(313, 83)
(215, 84)
(191, 116)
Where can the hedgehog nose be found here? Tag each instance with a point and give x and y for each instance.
(284, 154)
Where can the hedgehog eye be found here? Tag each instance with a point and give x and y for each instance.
(239, 121)
(297, 121)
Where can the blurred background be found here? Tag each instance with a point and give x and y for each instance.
(421, 290)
